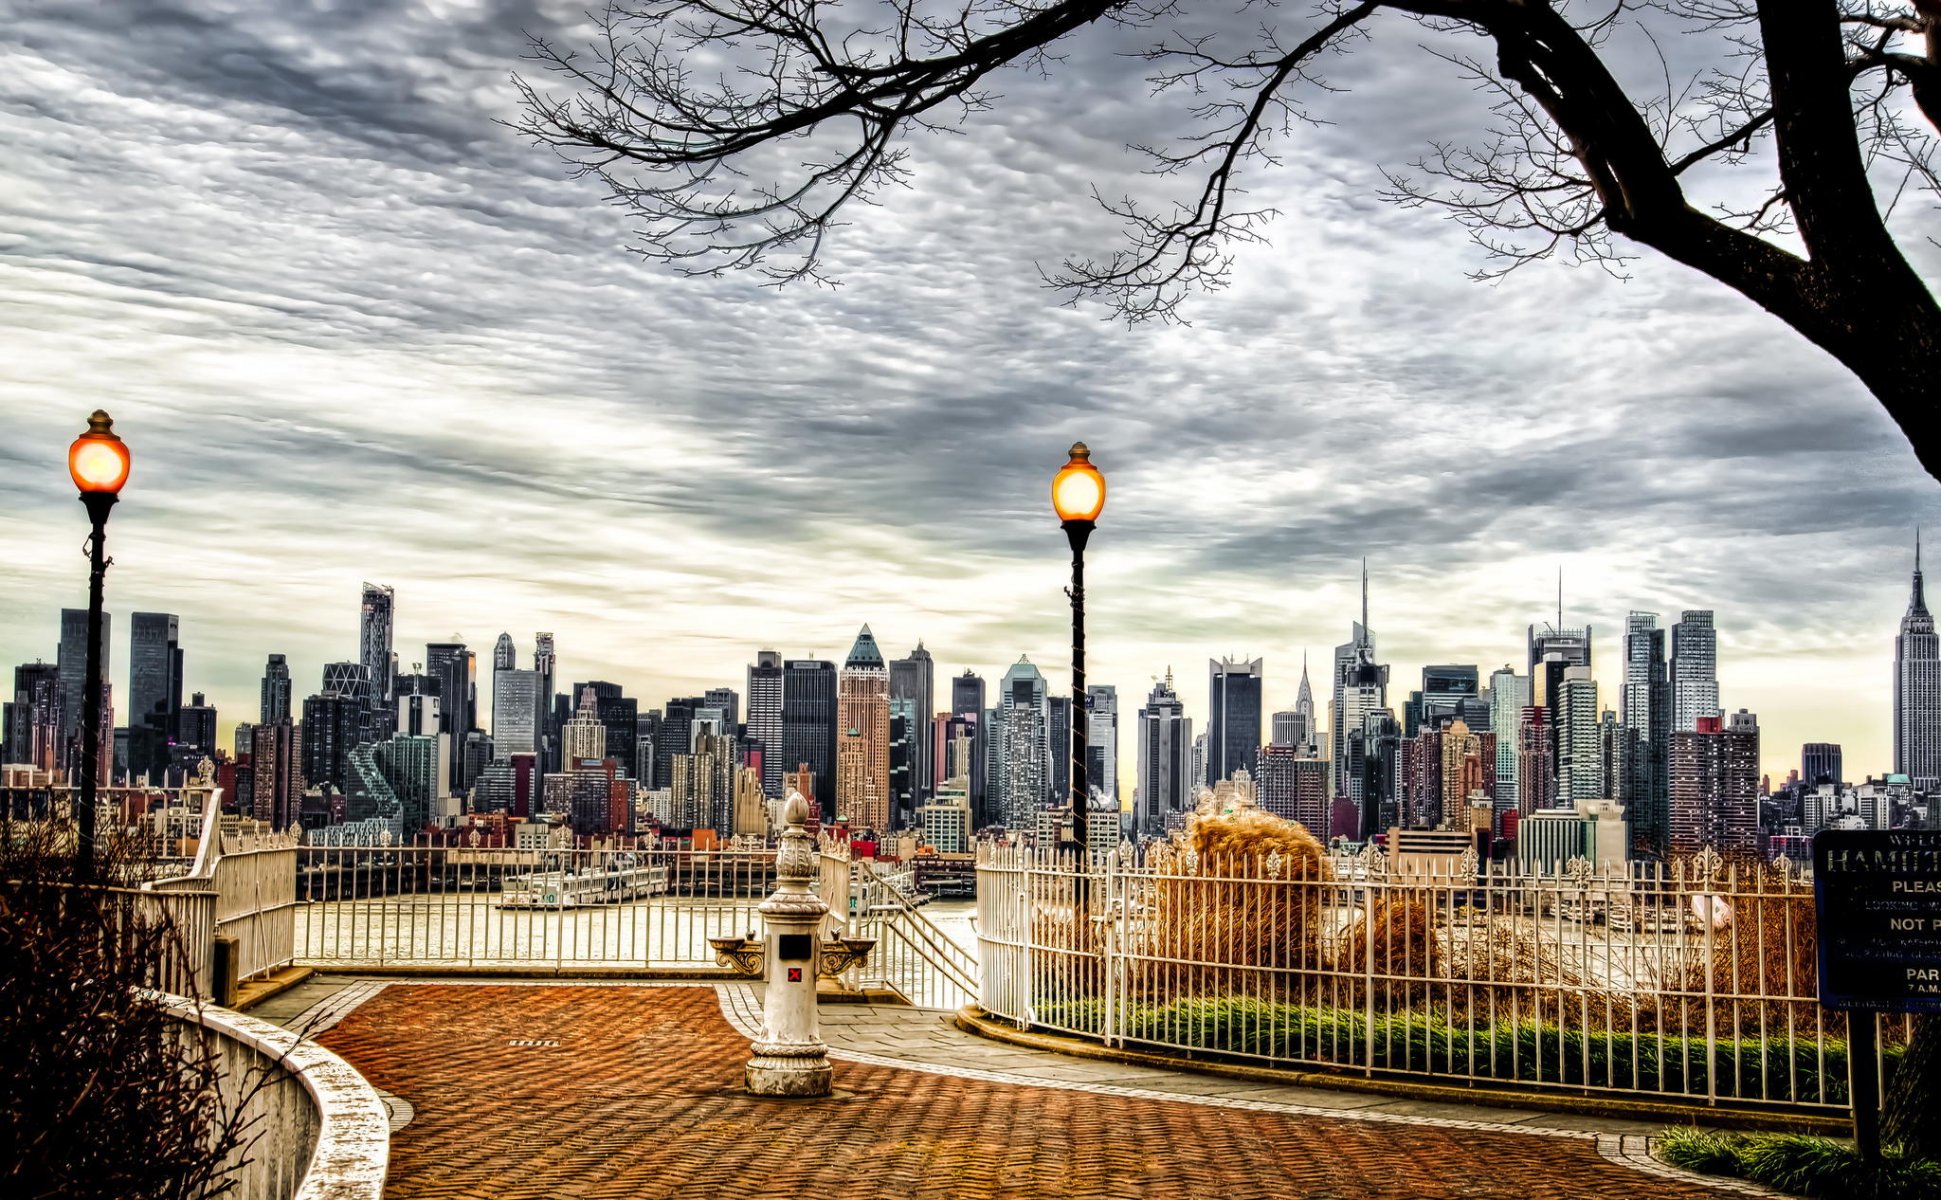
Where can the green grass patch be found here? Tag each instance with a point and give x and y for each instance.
(1802, 1165)
(1529, 1050)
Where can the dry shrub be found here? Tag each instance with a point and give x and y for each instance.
(1395, 937)
(1765, 951)
(1228, 898)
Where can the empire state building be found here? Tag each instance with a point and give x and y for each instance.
(1917, 691)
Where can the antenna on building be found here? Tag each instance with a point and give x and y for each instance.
(1560, 597)
(1364, 596)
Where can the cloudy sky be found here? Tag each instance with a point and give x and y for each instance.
(356, 329)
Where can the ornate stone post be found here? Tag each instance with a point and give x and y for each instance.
(790, 1058)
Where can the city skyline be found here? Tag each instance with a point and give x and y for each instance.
(360, 331)
(1780, 753)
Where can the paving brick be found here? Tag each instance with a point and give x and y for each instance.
(641, 1099)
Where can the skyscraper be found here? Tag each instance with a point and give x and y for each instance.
(277, 781)
(197, 726)
(276, 691)
(545, 666)
(1021, 747)
(73, 664)
(374, 641)
(1536, 770)
(765, 717)
(913, 678)
(154, 672)
(809, 714)
(1509, 694)
(1820, 763)
(1233, 717)
(967, 700)
(1165, 784)
(585, 737)
(1102, 744)
(619, 714)
(456, 670)
(863, 736)
(33, 717)
(1304, 709)
(1293, 784)
(1917, 691)
(518, 721)
(1645, 711)
(674, 735)
(1580, 769)
(1360, 687)
(1715, 785)
(1694, 669)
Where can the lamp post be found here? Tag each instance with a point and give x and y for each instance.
(1078, 495)
(98, 462)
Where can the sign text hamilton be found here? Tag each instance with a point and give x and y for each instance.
(1878, 896)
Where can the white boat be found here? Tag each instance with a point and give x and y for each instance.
(615, 883)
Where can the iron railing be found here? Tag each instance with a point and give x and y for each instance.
(1694, 982)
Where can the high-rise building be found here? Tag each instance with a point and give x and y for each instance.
(1286, 728)
(334, 723)
(585, 736)
(1164, 787)
(154, 672)
(765, 717)
(276, 691)
(1715, 785)
(456, 669)
(1304, 710)
(518, 721)
(277, 780)
(914, 678)
(1536, 772)
(1058, 751)
(1917, 691)
(863, 737)
(33, 717)
(1292, 783)
(619, 715)
(196, 728)
(1820, 763)
(1102, 744)
(1021, 747)
(809, 715)
(903, 761)
(73, 664)
(1694, 669)
(1645, 704)
(1580, 746)
(374, 641)
(554, 709)
(967, 700)
(1233, 718)
(1360, 687)
(726, 701)
(414, 768)
(1509, 695)
(703, 785)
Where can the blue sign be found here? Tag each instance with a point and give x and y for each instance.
(1878, 897)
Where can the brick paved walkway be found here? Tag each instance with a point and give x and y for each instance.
(530, 1092)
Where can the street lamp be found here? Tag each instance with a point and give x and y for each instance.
(1078, 495)
(98, 461)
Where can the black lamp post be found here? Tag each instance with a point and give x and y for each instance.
(98, 461)
(1078, 495)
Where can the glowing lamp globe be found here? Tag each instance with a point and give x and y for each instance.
(1078, 490)
(98, 460)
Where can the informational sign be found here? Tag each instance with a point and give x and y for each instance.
(1878, 896)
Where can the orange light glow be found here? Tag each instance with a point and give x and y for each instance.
(1078, 490)
(98, 460)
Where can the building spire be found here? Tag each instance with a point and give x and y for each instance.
(1918, 601)
(1560, 596)
(1364, 598)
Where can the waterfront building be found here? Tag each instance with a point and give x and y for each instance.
(765, 718)
(1917, 691)
(379, 659)
(1164, 784)
(1715, 785)
(1021, 746)
(1233, 716)
(1102, 743)
(1694, 669)
(946, 820)
(914, 678)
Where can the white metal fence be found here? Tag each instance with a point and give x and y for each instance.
(1695, 982)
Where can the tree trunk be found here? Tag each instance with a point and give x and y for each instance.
(1911, 1111)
